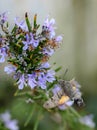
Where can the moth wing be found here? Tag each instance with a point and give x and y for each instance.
(52, 102)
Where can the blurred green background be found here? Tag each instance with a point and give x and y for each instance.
(76, 20)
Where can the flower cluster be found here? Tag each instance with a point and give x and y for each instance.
(64, 94)
(28, 51)
(8, 122)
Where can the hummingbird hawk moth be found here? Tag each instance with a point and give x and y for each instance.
(68, 90)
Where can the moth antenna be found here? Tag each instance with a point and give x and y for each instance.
(65, 72)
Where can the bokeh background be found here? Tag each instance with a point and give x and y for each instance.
(76, 20)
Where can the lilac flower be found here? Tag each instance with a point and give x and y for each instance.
(45, 65)
(3, 54)
(56, 89)
(48, 26)
(8, 123)
(5, 116)
(48, 51)
(22, 82)
(31, 80)
(58, 39)
(50, 76)
(44, 77)
(17, 75)
(87, 120)
(26, 43)
(41, 81)
(67, 104)
(3, 18)
(30, 40)
(12, 125)
(21, 24)
(10, 69)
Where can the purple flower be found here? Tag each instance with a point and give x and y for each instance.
(45, 65)
(26, 43)
(22, 82)
(58, 39)
(10, 124)
(30, 40)
(10, 69)
(56, 89)
(43, 78)
(3, 17)
(21, 24)
(49, 76)
(31, 80)
(41, 81)
(48, 26)
(3, 54)
(5, 116)
(17, 75)
(67, 104)
(48, 51)
(87, 120)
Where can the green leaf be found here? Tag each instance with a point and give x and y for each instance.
(30, 115)
(35, 20)
(27, 22)
(58, 69)
(40, 113)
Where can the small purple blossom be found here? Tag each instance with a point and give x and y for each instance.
(8, 123)
(21, 24)
(87, 120)
(30, 40)
(31, 80)
(10, 69)
(48, 51)
(43, 78)
(48, 26)
(45, 65)
(41, 81)
(50, 76)
(26, 43)
(22, 82)
(3, 54)
(3, 17)
(56, 89)
(58, 39)
(67, 104)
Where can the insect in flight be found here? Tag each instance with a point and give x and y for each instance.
(72, 89)
(69, 90)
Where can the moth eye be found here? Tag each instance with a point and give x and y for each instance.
(79, 102)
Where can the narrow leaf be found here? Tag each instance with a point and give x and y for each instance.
(27, 22)
(30, 115)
